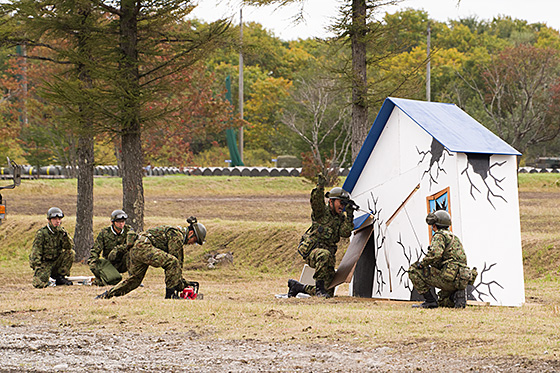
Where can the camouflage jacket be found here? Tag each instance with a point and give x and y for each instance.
(168, 239)
(327, 226)
(48, 244)
(108, 239)
(445, 248)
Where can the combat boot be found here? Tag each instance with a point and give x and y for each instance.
(171, 294)
(430, 301)
(460, 298)
(320, 290)
(61, 280)
(295, 287)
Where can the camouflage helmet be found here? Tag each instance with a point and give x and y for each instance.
(337, 193)
(55, 212)
(118, 215)
(440, 218)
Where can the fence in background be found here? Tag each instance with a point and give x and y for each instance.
(60, 172)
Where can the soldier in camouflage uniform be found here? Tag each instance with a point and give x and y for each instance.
(109, 255)
(53, 253)
(159, 247)
(444, 266)
(318, 245)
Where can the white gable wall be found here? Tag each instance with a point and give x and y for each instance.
(492, 235)
(391, 156)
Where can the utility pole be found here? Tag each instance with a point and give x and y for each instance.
(428, 73)
(21, 50)
(241, 82)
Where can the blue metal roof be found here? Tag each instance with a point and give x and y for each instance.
(447, 123)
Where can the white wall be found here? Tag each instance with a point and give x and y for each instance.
(490, 234)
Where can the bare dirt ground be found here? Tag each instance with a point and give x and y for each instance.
(50, 348)
(262, 208)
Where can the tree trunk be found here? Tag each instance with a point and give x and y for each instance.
(83, 235)
(132, 157)
(133, 189)
(359, 76)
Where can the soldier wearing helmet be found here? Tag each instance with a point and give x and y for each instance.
(444, 266)
(161, 246)
(53, 253)
(109, 255)
(318, 246)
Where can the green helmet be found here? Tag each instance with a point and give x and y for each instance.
(198, 229)
(337, 193)
(54, 212)
(118, 215)
(440, 218)
(200, 232)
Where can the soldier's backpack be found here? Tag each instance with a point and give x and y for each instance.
(307, 243)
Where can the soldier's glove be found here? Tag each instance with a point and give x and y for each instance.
(104, 295)
(350, 205)
(321, 180)
(113, 255)
(191, 220)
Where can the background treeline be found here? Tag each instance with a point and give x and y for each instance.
(503, 72)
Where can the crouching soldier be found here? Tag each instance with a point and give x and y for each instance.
(159, 247)
(444, 266)
(318, 245)
(53, 253)
(109, 255)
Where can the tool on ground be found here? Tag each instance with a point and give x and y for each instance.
(191, 291)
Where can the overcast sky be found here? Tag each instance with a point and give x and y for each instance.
(319, 13)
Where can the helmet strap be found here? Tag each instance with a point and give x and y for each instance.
(186, 238)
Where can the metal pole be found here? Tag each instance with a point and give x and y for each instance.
(428, 73)
(241, 82)
(21, 50)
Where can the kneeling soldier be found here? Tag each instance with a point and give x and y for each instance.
(444, 266)
(53, 253)
(160, 247)
(109, 255)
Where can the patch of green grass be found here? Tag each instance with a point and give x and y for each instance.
(539, 182)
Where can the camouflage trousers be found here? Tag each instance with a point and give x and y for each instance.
(59, 267)
(323, 261)
(428, 277)
(141, 256)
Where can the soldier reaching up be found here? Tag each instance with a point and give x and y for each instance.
(318, 246)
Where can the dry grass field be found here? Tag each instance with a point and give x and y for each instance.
(240, 326)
